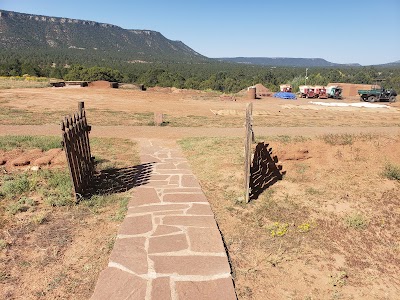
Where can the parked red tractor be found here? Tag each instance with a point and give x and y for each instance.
(320, 91)
(307, 91)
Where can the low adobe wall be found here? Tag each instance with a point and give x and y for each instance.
(102, 84)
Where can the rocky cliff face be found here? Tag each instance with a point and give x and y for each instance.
(35, 32)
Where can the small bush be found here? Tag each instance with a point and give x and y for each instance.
(338, 139)
(22, 204)
(40, 218)
(14, 187)
(356, 221)
(391, 171)
(58, 188)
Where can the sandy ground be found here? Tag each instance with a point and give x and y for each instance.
(204, 113)
(336, 181)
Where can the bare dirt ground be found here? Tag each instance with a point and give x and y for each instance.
(328, 230)
(342, 217)
(182, 109)
(49, 249)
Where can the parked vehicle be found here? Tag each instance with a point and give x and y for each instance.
(334, 92)
(286, 88)
(377, 94)
(320, 92)
(307, 91)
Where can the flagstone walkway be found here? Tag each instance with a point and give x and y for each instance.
(168, 246)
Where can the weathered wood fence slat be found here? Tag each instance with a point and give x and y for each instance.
(247, 149)
(75, 134)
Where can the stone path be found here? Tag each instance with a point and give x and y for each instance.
(168, 246)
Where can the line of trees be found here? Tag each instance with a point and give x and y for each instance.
(219, 76)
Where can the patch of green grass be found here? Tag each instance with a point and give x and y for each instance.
(338, 139)
(14, 187)
(391, 171)
(122, 209)
(356, 221)
(96, 202)
(39, 218)
(22, 204)
(285, 139)
(44, 143)
(57, 187)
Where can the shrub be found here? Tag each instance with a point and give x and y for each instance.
(391, 171)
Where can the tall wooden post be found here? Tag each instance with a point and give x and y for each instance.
(247, 150)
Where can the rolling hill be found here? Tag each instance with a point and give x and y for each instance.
(284, 61)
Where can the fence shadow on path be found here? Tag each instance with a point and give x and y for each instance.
(264, 171)
(117, 180)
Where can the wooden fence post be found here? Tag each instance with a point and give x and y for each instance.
(158, 119)
(247, 150)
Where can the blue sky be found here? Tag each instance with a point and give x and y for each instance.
(341, 31)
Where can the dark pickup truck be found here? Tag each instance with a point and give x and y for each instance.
(377, 95)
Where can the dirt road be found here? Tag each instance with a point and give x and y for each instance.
(183, 132)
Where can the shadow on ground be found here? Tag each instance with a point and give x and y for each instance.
(115, 180)
(264, 171)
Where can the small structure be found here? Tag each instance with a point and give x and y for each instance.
(251, 92)
(262, 91)
(158, 118)
(285, 88)
(103, 84)
(57, 83)
(77, 82)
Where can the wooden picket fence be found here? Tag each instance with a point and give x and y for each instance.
(75, 134)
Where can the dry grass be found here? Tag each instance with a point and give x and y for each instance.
(23, 82)
(50, 247)
(329, 230)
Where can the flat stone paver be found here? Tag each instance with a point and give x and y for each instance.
(169, 245)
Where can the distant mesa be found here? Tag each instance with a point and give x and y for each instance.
(21, 32)
(30, 34)
(284, 61)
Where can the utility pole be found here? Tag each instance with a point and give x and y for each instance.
(305, 79)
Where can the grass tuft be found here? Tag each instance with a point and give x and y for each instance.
(338, 139)
(391, 171)
(14, 187)
(57, 189)
(356, 221)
